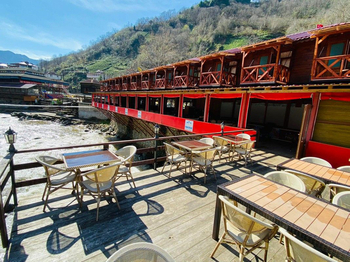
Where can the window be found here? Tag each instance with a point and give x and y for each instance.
(336, 49)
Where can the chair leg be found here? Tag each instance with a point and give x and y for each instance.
(165, 164)
(42, 198)
(171, 166)
(46, 198)
(218, 244)
(132, 179)
(266, 249)
(98, 205)
(115, 197)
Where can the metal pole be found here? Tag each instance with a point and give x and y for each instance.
(155, 151)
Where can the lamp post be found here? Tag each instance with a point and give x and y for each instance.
(222, 128)
(10, 137)
(156, 132)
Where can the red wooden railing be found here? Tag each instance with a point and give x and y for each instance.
(125, 86)
(133, 86)
(213, 78)
(145, 85)
(331, 67)
(185, 81)
(264, 74)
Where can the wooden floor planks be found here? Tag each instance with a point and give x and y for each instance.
(175, 213)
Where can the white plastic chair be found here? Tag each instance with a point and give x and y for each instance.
(313, 185)
(244, 230)
(298, 251)
(174, 156)
(342, 199)
(344, 168)
(140, 252)
(316, 160)
(207, 140)
(126, 154)
(57, 177)
(286, 179)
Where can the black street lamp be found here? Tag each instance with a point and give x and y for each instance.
(222, 128)
(10, 137)
(156, 132)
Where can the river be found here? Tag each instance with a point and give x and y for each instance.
(42, 134)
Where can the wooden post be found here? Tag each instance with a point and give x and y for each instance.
(222, 69)
(181, 103)
(206, 108)
(201, 77)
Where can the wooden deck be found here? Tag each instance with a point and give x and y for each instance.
(175, 213)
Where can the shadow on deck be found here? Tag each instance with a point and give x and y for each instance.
(175, 213)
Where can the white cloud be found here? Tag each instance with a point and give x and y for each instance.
(42, 38)
(121, 5)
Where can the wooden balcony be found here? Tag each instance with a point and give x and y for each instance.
(117, 87)
(145, 85)
(162, 83)
(265, 74)
(331, 67)
(133, 85)
(213, 79)
(125, 86)
(185, 81)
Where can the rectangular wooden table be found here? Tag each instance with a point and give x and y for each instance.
(77, 160)
(322, 224)
(235, 141)
(326, 174)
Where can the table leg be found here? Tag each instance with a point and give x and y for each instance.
(217, 218)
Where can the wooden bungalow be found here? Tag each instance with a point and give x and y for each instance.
(220, 69)
(187, 73)
(135, 81)
(148, 79)
(164, 77)
(125, 82)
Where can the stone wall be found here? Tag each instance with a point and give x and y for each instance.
(86, 111)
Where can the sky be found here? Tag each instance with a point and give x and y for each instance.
(42, 29)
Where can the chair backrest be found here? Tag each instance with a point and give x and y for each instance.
(299, 251)
(246, 224)
(48, 163)
(316, 160)
(244, 135)
(342, 199)
(287, 179)
(246, 146)
(128, 153)
(207, 140)
(170, 150)
(313, 185)
(141, 251)
(207, 154)
(336, 188)
(102, 174)
(344, 168)
(219, 141)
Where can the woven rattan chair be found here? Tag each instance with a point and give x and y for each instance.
(244, 150)
(207, 140)
(342, 199)
(313, 185)
(140, 252)
(98, 182)
(336, 189)
(344, 168)
(204, 159)
(221, 146)
(244, 230)
(174, 156)
(298, 251)
(57, 177)
(126, 154)
(286, 179)
(316, 160)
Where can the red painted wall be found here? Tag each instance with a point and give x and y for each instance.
(336, 155)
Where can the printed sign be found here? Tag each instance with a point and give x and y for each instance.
(126, 111)
(139, 114)
(116, 109)
(189, 125)
(108, 108)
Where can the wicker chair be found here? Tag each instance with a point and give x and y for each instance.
(141, 251)
(244, 230)
(316, 160)
(286, 179)
(298, 251)
(244, 150)
(126, 154)
(98, 182)
(207, 140)
(204, 159)
(221, 146)
(344, 168)
(57, 177)
(342, 199)
(314, 186)
(174, 156)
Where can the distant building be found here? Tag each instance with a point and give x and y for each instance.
(53, 76)
(98, 75)
(24, 65)
(89, 86)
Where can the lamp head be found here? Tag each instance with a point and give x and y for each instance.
(10, 136)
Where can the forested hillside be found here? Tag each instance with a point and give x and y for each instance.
(210, 26)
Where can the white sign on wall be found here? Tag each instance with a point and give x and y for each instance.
(108, 108)
(116, 109)
(139, 114)
(189, 125)
(126, 111)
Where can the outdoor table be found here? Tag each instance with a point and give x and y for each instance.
(326, 174)
(325, 226)
(78, 160)
(235, 141)
(192, 146)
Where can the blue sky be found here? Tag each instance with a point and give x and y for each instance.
(41, 29)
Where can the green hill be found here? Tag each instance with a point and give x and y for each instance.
(210, 26)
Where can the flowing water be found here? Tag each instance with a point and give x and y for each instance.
(36, 134)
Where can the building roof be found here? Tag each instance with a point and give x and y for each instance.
(17, 86)
(90, 81)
